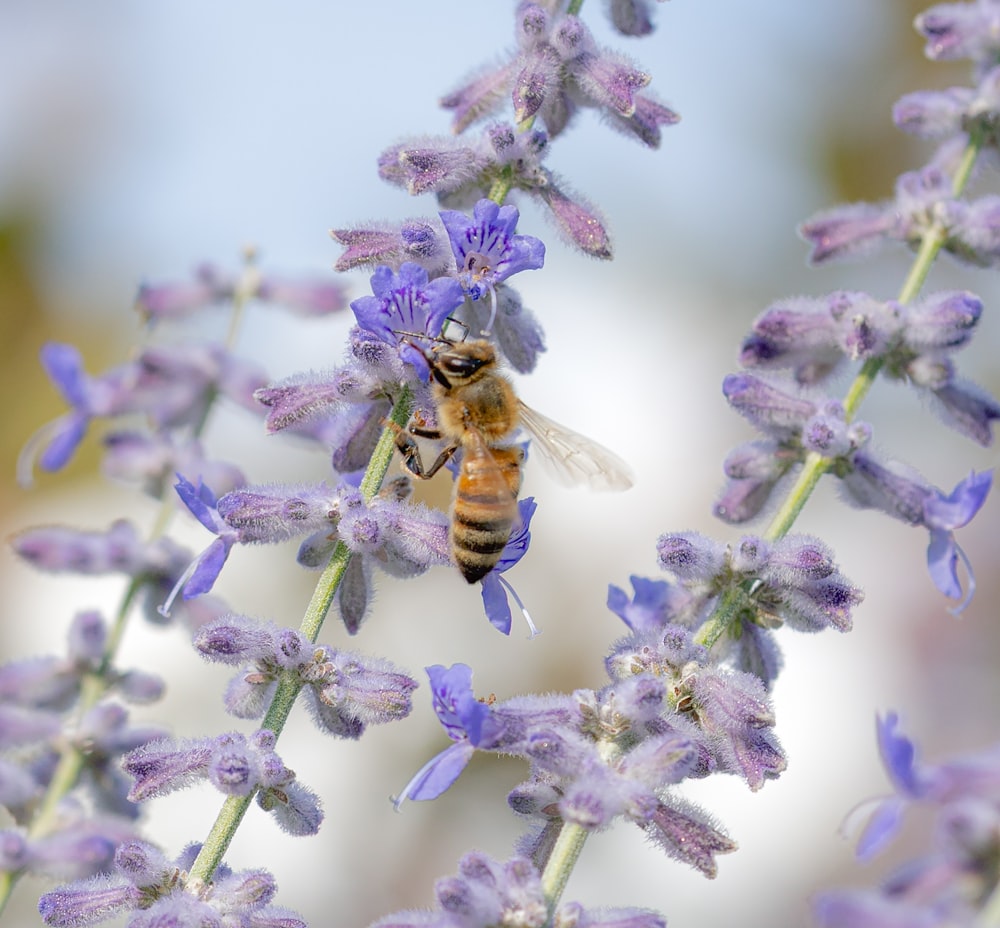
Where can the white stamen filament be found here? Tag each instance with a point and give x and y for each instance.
(32, 450)
(164, 610)
(534, 631)
(493, 311)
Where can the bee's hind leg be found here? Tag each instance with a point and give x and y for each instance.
(412, 462)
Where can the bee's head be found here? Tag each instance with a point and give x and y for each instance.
(461, 363)
(453, 362)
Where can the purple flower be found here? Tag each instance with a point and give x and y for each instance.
(944, 514)
(654, 605)
(955, 781)
(494, 586)
(202, 573)
(88, 397)
(408, 306)
(486, 248)
(907, 497)
(467, 721)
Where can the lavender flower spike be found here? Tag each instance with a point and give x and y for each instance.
(486, 249)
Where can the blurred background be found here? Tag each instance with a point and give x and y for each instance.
(139, 140)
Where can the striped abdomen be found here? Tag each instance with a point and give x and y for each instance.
(484, 507)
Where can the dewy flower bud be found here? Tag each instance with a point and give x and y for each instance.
(87, 636)
(631, 17)
(941, 321)
(366, 688)
(645, 121)
(295, 401)
(847, 231)
(771, 409)
(418, 240)
(582, 225)
(296, 809)
(442, 165)
(691, 556)
(610, 81)
(233, 767)
(246, 890)
(755, 460)
(733, 710)
(967, 408)
(97, 899)
(160, 767)
(479, 97)
(275, 513)
(933, 113)
(798, 333)
(535, 84)
(235, 639)
(141, 863)
(960, 30)
(689, 837)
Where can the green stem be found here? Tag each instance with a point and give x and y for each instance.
(234, 808)
(989, 914)
(500, 189)
(565, 853)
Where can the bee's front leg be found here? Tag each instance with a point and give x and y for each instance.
(412, 461)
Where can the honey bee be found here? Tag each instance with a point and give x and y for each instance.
(479, 412)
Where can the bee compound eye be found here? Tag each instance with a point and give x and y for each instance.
(460, 366)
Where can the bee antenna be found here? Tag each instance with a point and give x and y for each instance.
(421, 335)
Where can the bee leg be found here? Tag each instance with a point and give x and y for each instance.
(412, 461)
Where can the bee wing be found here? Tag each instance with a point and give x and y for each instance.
(574, 459)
